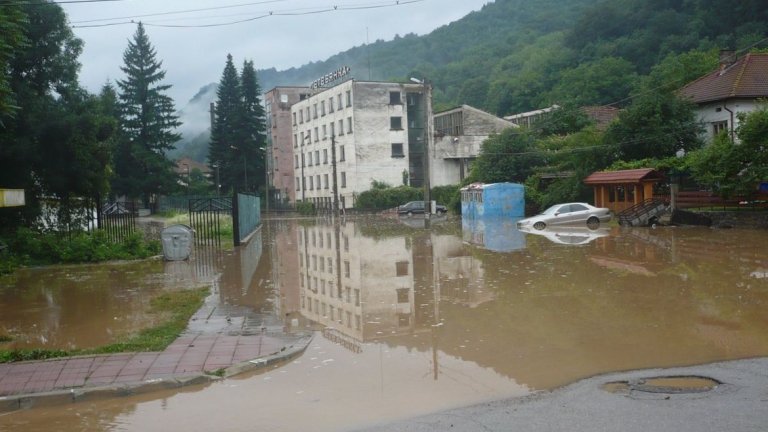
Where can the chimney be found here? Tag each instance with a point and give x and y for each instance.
(727, 58)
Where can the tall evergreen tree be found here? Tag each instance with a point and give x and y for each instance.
(254, 126)
(148, 124)
(225, 149)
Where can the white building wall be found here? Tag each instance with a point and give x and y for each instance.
(363, 154)
(714, 112)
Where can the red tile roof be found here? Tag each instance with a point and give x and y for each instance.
(624, 176)
(746, 78)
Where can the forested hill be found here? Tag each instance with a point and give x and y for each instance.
(518, 55)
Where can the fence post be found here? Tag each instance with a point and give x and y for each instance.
(235, 219)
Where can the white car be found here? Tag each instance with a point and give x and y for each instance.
(572, 214)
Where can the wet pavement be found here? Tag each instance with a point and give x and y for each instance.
(216, 344)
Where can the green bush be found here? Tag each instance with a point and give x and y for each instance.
(306, 208)
(381, 198)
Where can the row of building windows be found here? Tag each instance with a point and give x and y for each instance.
(314, 182)
(315, 261)
(328, 311)
(308, 158)
(334, 103)
(317, 241)
(306, 137)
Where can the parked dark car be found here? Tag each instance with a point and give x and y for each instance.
(417, 207)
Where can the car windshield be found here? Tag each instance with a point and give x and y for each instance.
(551, 210)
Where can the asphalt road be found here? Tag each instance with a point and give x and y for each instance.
(738, 404)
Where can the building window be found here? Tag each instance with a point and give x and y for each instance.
(317, 180)
(317, 157)
(309, 159)
(322, 108)
(325, 156)
(402, 295)
(317, 134)
(718, 127)
(307, 137)
(325, 180)
(343, 179)
(302, 138)
(339, 99)
(401, 268)
(294, 119)
(311, 183)
(298, 184)
(330, 104)
(346, 268)
(314, 111)
(349, 98)
(397, 150)
(295, 141)
(394, 98)
(303, 183)
(341, 154)
(307, 116)
(341, 127)
(325, 132)
(333, 129)
(349, 125)
(296, 161)
(301, 116)
(302, 159)
(396, 123)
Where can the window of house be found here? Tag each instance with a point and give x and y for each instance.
(295, 141)
(298, 184)
(341, 127)
(317, 157)
(325, 132)
(307, 116)
(343, 179)
(322, 108)
(294, 119)
(302, 138)
(317, 180)
(317, 134)
(397, 150)
(349, 125)
(394, 98)
(401, 268)
(349, 98)
(308, 137)
(325, 156)
(325, 182)
(314, 111)
(402, 295)
(296, 161)
(346, 243)
(301, 116)
(330, 104)
(311, 183)
(341, 154)
(346, 268)
(304, 183)
(309, 159)
(339, 104)
(718, 127)
(396, 123)
(333, 129)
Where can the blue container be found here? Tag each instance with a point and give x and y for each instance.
(495, 200)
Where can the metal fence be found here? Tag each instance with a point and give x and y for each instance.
(206, 216)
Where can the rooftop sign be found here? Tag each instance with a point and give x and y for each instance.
(330, 77)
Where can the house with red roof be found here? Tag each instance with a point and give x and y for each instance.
(735, 87)
(620, 190)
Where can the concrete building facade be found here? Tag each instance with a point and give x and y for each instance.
(278, 102)
(459, 135)
(349, 135)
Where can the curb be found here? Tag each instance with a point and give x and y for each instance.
(13, 403)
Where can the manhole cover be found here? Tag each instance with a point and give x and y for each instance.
(668, 384)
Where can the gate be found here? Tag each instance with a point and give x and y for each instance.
(205, 217)
(117, 220)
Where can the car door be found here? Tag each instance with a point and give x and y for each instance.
(578, 214)
(560, 217)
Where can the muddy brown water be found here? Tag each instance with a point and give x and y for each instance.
(411, 320)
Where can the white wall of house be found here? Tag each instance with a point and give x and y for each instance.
(715, 116)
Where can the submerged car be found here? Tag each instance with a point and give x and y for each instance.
(417, 207)
(573, 214)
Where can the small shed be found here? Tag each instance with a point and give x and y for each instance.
(619, 190)
(493, 200)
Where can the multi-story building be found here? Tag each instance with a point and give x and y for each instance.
(349, 135)
(278, 102)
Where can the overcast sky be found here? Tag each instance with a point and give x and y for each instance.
(273, 33)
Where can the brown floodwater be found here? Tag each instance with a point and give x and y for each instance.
(411, 320)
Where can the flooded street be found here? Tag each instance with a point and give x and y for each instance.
(410, 320)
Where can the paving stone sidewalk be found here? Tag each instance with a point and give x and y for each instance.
(219, 342)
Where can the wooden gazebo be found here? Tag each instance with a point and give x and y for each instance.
(619, 190)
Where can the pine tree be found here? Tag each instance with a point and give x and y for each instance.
(148, 123)
(254, 127)
(226, 150)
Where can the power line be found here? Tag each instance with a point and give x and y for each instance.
(261, 15)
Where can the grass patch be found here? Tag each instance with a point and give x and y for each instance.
(176, 307)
